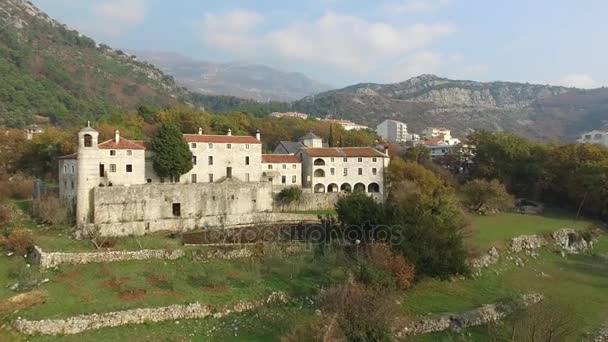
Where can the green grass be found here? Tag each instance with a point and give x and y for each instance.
(489, 230)
(577, 284)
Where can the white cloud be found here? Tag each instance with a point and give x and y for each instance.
(415, 6)
(578, 81)
(231, 30)
(114, 17)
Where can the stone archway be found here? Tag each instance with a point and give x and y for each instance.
(333, 187)
(359, 187)
(346, 187)
(319, 188)
(319, 173)
(319, 162)
(373, 187)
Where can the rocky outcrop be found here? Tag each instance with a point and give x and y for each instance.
(527, 242)
(78, 324)
(571, 241)
(53, 259)
(487, 260)
(457, 322)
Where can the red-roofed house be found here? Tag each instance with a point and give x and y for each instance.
(282, 169)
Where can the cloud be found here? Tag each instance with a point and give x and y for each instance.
(114, 17)
(578, 81)
(415, 6)
(232, 30)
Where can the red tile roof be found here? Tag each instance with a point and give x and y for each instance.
(70, 156)
(123, 144)
(279, 158)
(229, 139)
(433, 142)
(343, 152)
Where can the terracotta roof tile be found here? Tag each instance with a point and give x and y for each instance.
(230, 139)
(123, 144)
(343, 152)
(280, 158)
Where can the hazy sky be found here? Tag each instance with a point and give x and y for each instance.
(342, 42)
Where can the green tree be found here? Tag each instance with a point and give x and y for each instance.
(480, 195)
(290, 194)
(419, 154)
(172, 157)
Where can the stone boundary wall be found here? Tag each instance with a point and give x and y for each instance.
(81, 323)
(456, 322)
(311, 201)
(52, 259)
(567, 240)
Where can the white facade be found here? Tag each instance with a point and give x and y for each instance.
(289, 115)
(344, 169)
(347, 124)
(282, 170)
(393, 131)
(594, 137)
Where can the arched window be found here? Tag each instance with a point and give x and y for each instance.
(345, 187)
(319, 188)
(88, 140)
(360, 187)
(319, 173)
(373, 187)
(333, 187)
(319, 162)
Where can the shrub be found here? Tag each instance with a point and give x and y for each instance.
(401, 271)
(51, 210)
(363, 313)
(290, 194)
(6, 214)
(21, 189)
(19, 241)
(486, 196)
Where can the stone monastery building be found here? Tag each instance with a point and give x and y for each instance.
(114, 187)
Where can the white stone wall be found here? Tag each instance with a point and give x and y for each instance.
(234, 157)
(335, 182)
(292, 173)
(68, 179)
(317, 201)
(115, 167)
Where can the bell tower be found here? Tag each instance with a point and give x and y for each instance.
(88, 174)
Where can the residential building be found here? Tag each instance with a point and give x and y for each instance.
(393, 131)
(595, 137)
(347, 124)
(289, 115)
(336, 169)
(294, 147)
(32, 130)
(282, 169)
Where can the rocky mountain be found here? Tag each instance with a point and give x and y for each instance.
(538, 111)
(249, 81)
(53, 72)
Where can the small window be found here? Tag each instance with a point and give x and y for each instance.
(345, 160)
(113, 152)
(331, 159)
(88, 140)
(211, 146)
(229, 172)
(193, 160)
(588, 137)
(129, 168)
(193, 145)
(193, 178)
(149, 180)
(73, 169)
(332, 171)
(65, 169)
(374, 171)
(360, 172)
(284, 166)
(345, 172)
(294, 179)
(229, 146)
(211, 178)
(284, 179)
(177, 209)
(269, 166)
(72, 184)
(247, 160)
(374, 159)
(112, 167)
(247, 177)
(294, 166)
(360, 160)
(246, 146)
(210, 161)
(129, 153)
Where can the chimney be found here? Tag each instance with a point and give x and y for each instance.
(257, 135)
(200, 131)
(229, 132)
(116, 136)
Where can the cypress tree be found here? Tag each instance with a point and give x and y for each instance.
(172, 157)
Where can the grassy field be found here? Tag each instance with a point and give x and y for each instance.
(493, 229)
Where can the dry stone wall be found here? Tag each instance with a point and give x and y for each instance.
(53, 259)
(78, 324)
